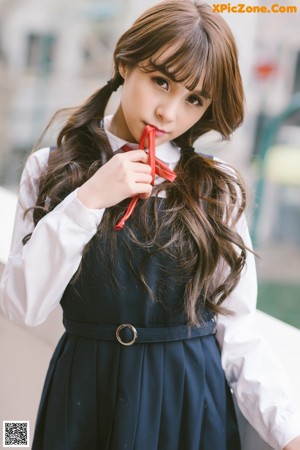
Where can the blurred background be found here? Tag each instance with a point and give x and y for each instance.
(54, 54)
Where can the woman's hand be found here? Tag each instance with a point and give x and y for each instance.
(124, 175)
(294, 444)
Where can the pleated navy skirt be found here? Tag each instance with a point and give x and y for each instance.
(102, 395)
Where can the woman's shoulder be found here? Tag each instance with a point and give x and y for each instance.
(226, 167)
(34, 167)
(204, 155)
(37, 161)
(39, 157)
(220, 163)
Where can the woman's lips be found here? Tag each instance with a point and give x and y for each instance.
(158, 131)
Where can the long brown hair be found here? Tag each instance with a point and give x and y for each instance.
(206, 200)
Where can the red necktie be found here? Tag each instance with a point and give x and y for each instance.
(157, 168)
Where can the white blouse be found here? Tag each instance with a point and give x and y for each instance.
(36, 275)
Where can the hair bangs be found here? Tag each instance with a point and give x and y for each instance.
(187, 64)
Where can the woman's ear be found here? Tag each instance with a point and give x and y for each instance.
(122, 70)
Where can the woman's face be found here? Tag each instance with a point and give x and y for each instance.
(151, 98)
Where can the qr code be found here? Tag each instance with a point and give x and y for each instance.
(16, 433)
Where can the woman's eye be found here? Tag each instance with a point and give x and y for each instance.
(194, 100)
(161, 82)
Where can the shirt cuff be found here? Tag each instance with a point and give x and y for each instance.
(86, 218)
(288, 428)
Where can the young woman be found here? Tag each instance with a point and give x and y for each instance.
(149, 258)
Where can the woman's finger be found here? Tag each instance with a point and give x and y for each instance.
(135, 155)
(141, 167)
(142, 177)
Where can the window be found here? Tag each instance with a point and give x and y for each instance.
(40, 52)
(296, 86)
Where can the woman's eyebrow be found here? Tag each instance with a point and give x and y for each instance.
(201, 93)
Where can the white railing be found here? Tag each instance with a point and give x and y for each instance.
(27, 351)
(8, 202)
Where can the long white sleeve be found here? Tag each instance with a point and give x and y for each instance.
(259, 383)
(36, 274)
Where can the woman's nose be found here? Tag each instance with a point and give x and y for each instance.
(167, 111)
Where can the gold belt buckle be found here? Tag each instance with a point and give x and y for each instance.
(131, 328)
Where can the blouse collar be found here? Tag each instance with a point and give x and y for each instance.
(167, 152)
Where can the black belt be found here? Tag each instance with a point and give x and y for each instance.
(127, 334)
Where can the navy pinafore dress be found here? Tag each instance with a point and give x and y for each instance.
(102, 395)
